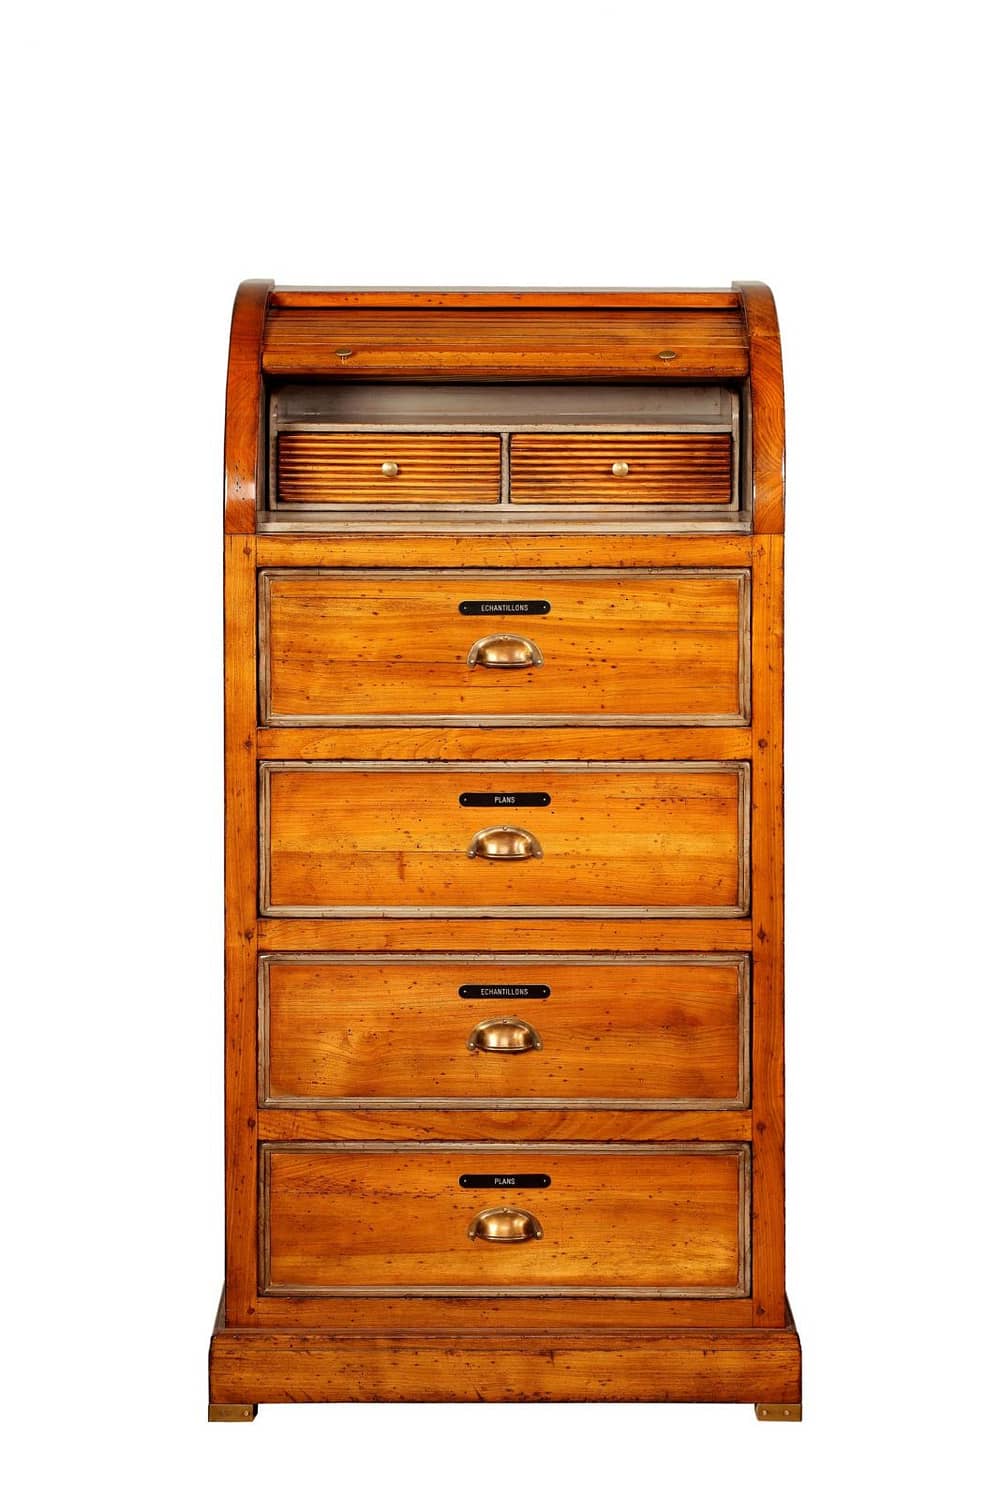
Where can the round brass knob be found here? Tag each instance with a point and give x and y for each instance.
(619, 469)
(390, 470)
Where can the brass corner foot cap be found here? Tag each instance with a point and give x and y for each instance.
(778, 1411)
(242, 1412)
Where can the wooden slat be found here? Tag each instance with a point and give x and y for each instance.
(503, 550)
(492, 742)
(576, 1124)
(511, 297)
(460, 1315)
(240, 931)
(490, 345)
(666, 468)
(345, 468)
(768, 935)
(694, 1364)
(501, 935)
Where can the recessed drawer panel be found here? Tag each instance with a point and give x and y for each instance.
(481, 1032)
(628, 468)
(658, 838)
(615, 1221)
(388, 468)
(668, 646)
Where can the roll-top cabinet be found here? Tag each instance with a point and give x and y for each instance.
(504, 915)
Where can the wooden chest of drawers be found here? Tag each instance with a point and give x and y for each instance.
(504, 919)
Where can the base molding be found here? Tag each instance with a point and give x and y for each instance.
(762, 1366)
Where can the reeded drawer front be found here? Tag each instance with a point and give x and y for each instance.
(476, 1031)
(357, 468)
(628, 468)
(668, 646)
(658, 838)
(615, 1221)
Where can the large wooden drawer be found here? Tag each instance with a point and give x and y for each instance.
(388, 468)
(649, 468)
(665, 1031)
(665, 1221)
(390, 838)
(610, 646)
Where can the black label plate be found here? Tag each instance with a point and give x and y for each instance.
(504, 991)
(505, 1180)
(504, 607)
(504, 799)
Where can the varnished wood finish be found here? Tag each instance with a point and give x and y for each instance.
(504, 550)
(667, 839)
(483, 344)
(346, 468)
(423, 1120)
(697, 1363)
(767, 402)
(244, 405)
(460, 935)
(659, 1220)
(668, 468)
(629, 1073)
(241, 931)
(670, 1031)
(515, 298)
(624, 645)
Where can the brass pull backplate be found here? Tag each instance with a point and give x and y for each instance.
(505, 1226)
(507, 1034)
(504, 842)
(504, 651)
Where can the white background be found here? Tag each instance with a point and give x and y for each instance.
(154, 157)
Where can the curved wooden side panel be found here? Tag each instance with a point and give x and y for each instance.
(767, 397)
(243, 399)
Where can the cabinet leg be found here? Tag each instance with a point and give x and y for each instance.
(778, 1411)
(244, 1411)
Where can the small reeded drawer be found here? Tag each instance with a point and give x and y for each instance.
(664, 1031)
(627, 468)
(361, 468)
(668, 646)
(659, 838)
(620, 1221)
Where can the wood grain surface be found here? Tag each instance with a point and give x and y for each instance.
(670, 646)
(672, 1031)
(486, 344)
(345, 468)
(664, 468)
(661, 838)
(666, 1219)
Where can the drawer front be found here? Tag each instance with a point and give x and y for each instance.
(388, 468)
(668, 647)
(663, 838)
(627, 468)
(481, 1032)
(615, 1221)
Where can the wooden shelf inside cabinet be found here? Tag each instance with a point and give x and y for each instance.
(504, 883)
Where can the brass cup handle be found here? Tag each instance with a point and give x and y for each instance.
(505, 651)
(507, 1034)
(504, 843)
(505, 1226)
